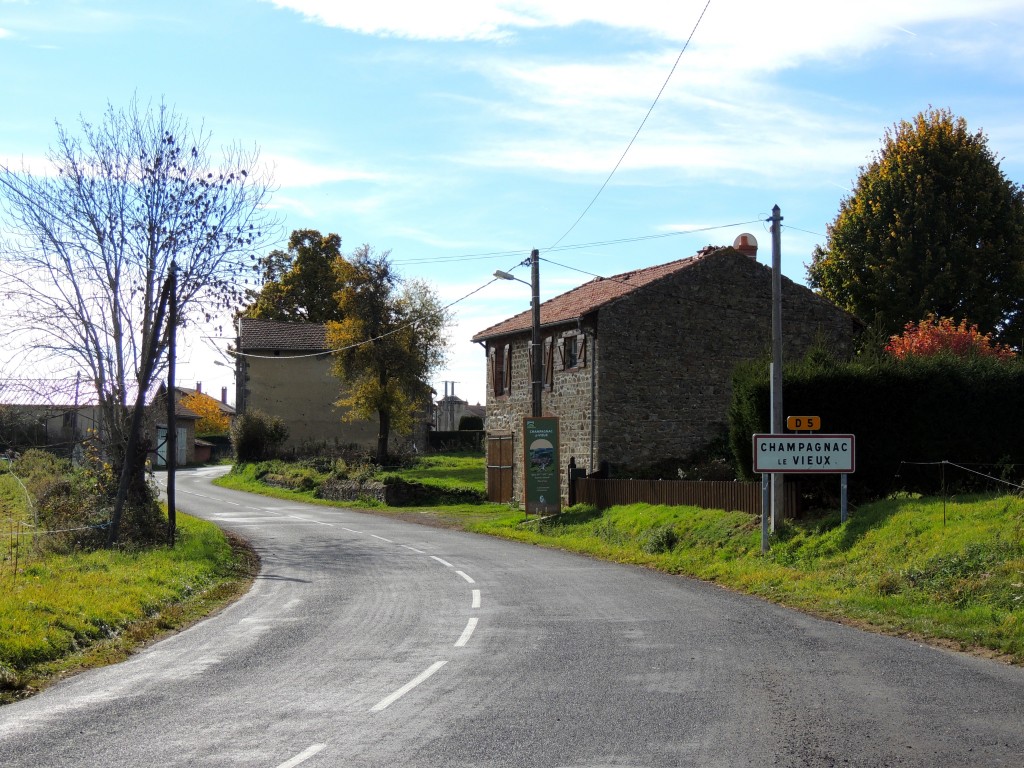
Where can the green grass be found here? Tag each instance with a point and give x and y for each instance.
(448, 471)
(61, 613)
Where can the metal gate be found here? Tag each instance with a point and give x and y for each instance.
(499, 468)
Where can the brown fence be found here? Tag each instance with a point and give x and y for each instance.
(711, 494)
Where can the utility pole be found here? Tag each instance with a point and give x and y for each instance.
(778, 497)
(535, 346)
(172, 423)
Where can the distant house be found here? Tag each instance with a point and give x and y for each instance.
(284, 370)
(639, 366)
(50, 414)
(449, 410)
(156, 424)
(223, 405)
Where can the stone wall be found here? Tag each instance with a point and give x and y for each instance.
(568, 397)
(658, 374)
(669, 353)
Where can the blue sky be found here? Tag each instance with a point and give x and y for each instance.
(449, 131)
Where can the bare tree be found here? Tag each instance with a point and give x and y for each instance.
(89, 244)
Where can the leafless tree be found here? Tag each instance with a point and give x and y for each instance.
(89, 243)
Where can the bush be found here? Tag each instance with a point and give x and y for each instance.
(256, 435)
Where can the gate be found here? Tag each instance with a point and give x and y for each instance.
(499, 468)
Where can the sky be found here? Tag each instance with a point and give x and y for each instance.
(461, 134)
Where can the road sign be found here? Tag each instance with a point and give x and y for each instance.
(803, 423)
(827, 454)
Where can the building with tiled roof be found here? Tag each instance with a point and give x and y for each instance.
(284, 369)
(638, 366)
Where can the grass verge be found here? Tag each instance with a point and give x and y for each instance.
(61, 614)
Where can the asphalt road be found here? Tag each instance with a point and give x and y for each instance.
(372, 642)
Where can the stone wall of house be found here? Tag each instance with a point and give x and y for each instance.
(670, 349)
(657, 380)
(568, 397)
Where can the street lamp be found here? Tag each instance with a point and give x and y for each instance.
(535, 342)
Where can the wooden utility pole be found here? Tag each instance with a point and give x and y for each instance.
(535, 346)
(778, 496)
(172, 422)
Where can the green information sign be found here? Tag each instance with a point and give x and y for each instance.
(543, 475)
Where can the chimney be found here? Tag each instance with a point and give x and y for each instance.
(199, 387)
(746, 244)
(224, 395)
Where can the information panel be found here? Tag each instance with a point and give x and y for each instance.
(543, 476)
(828, 454)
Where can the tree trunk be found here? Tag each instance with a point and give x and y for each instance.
(383, 431)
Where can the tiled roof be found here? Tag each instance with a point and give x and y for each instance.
(264, 335)
(590, 296)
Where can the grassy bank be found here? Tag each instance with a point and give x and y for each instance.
(64, 613)
(949, 573)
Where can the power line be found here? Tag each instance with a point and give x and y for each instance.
(640, 128)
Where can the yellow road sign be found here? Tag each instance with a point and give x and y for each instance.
(803, 423)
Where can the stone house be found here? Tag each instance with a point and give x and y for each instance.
(638, 367)
(284, 370)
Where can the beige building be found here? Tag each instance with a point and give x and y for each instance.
(284, 370)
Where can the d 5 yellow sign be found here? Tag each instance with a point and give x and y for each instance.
(803, 423)
(834, 454)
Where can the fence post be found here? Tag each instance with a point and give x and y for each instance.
(571, 481)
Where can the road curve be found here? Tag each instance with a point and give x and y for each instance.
(367, 641)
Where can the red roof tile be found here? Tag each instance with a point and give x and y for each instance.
(590, 296)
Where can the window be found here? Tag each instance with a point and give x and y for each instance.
(501, 369)
(574, 351)
(548, 372)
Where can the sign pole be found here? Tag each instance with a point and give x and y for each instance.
(766, 503)
(843, 514)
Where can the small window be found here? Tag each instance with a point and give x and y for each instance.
(570, 354)
(548, 371)
(574, 351)
(501, 369)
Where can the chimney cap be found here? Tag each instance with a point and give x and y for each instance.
(746, 244)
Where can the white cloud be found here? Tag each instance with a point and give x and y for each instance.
(293, 172)
(743, 32)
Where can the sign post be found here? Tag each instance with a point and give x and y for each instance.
(806, 454)
(543, 478)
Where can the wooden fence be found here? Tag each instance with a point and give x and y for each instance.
(711, 494)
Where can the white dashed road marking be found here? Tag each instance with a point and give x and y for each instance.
(387, 702)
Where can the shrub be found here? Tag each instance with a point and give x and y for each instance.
(256, 435)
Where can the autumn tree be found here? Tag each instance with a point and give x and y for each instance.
(89, 244)
(390, 339)
(212, 420)
(942, 335)
(300, 284)
(933, 227)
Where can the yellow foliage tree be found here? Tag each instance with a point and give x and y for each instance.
(212, 420)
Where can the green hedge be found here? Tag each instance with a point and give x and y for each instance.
(902, 413)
